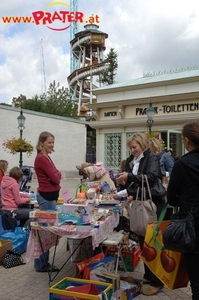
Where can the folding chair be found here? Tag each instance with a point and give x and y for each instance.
(115, 239)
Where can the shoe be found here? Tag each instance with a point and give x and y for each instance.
(146, 281)
(152, 290)
(49, 270)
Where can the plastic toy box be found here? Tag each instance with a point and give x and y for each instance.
(59, 290)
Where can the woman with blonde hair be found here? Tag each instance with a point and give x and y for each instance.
(144, 162)
(166, 161)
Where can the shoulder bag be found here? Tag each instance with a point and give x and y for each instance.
(180, 234)
(142, 211)
(158, 190)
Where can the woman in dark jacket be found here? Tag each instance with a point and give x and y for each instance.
(144, 162)
(183, 191)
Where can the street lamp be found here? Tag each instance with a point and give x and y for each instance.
(150, 111)
(21, 122)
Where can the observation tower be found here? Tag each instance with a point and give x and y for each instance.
(87, 48)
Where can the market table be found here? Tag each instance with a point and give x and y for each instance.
(42, 238)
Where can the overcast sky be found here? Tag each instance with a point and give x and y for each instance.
(148, 35)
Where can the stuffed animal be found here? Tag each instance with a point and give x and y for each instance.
(96, 172)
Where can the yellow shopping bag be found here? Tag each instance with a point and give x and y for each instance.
(167, 265)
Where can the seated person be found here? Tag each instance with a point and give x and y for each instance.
(12, 198)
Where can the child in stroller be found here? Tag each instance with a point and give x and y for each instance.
(27, 177)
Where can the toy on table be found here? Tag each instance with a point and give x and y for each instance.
(96, 172)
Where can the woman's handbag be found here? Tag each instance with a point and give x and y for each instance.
(142, 211)
(180, 234)
(158, 190)
(12, 258)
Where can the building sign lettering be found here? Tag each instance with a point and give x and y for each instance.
(110, 114)
(174, 108)
(142, 111)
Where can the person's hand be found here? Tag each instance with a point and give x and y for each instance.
(122, 179)
(130, 198)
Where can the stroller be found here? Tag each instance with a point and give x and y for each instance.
(27, 177)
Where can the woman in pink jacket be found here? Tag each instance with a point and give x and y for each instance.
(12, 198)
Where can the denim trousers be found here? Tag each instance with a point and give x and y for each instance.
(42, 262)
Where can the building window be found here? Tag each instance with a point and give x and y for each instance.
(112, 151)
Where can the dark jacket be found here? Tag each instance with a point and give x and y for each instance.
(149, 165)
(183, 188)
(184, 181)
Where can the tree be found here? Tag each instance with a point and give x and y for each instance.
(108, 76)
(55, 101)
(17, 101)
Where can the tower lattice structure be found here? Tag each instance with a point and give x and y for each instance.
(87, 48)
(73, 31)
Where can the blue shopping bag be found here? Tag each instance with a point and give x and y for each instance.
(19, 237)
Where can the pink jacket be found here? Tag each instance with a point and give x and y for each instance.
(10, 195)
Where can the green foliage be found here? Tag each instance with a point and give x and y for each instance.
(108, 76)
(14, 145)
(55, 102)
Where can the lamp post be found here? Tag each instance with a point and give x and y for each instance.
(21, 122)
(150, 111)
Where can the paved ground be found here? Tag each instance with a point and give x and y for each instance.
(23, 283)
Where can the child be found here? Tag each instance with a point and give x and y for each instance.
(12, 198)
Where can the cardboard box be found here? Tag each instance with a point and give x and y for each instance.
(59, 290)
(131, 287)
(107, 262)
(4, 246)
(72, 207)
(83, 264)
(44, 214)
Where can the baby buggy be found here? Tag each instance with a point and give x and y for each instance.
(27, 177)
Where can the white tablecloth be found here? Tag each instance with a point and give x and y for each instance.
(49, 235)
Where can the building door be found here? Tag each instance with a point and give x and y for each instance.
(172, 140)
(91, 145)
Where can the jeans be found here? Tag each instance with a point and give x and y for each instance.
(42, 263)
(192, 264)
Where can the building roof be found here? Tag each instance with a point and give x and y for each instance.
(154, 77)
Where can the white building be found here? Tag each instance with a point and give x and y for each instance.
(121, 111)
(70, 137)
